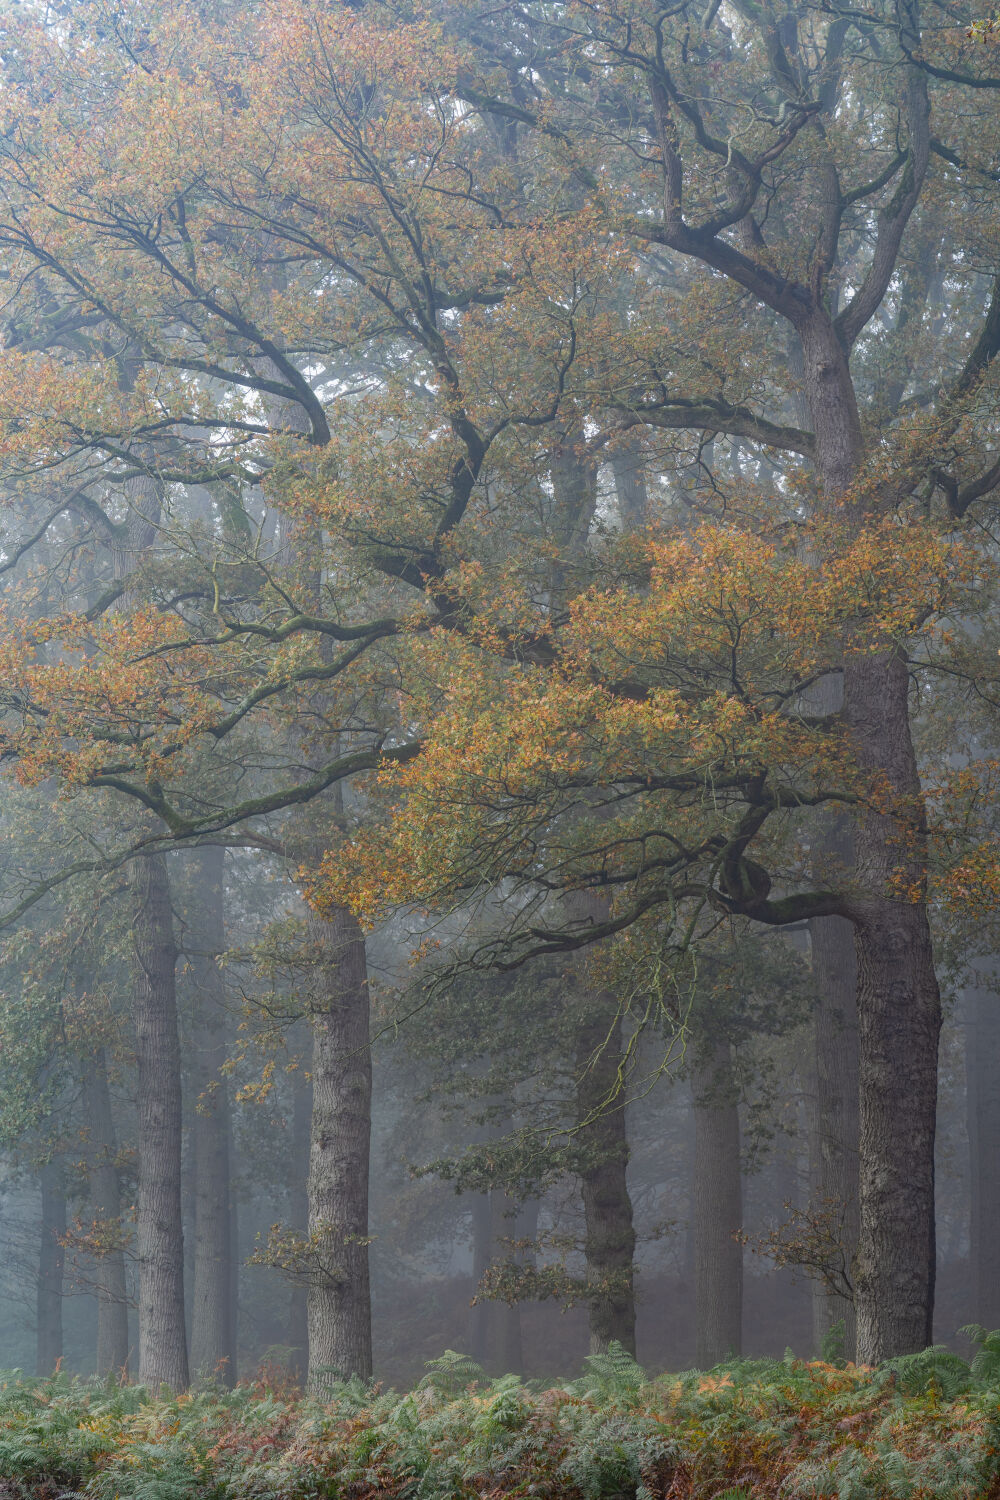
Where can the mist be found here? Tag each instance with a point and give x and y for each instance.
(500, 690)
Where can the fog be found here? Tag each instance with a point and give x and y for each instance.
(499, 687)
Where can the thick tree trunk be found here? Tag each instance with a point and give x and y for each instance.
(51, 1260)
(982, 1066)
(899, 1008)
(213, 1345)
(609, 1240)
(899, 1019)
(160, 1236)
(106, 1207)
(835, 1170)
(340, 1338)
(718, 1207)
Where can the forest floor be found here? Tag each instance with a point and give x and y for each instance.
(927, 1426)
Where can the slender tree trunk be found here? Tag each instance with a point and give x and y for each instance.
(718, 1208)
(609, 1243)
(159, 1227)
(213, 1348)
(602, 1140)
(507, 1315)
(834, 1136)
(340, 1337)
(835, 1171)
(234, 1254)
(51, 1260)
(481, 1312)
(339, 1297)
(106, 1206)
(982, 1065)
(495, 1328)
(298, 1207)
(160, 1235)
(189, 1169)
(526, 1229)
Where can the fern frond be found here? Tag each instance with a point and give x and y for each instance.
(450, 1374)
(612, 1375)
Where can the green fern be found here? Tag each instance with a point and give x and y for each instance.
(611, 1376)
(507, 1411)
(833, 1345)
(986, 1360)
(932, 1371)
(451, 1374)
(611, 1456)
(328, 1383)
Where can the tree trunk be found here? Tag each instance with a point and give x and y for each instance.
(609, 1242)
(298, 1207)
(506, 1315)
(835, 1122)
(899, 1020)
(213, 1350)
(982, 1064)
(627, 466)
(340, 1338)
(481, 1312)
(525, 1228)
(339, 1297)
(899, 1007)
(160, 1235)
(602, 1140)
(718, 1208)
(106, 1206)
(835, 1170)
(51, 1259)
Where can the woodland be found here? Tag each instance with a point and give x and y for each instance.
(499, 722)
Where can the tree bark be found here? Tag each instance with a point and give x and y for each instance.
(213, 1344)
(339, 1297)
(51, 1260)
(718, 1207)
(106, 1206)
(835, 1171)
(982, 1065)
(899, 1020)
(899, 1007)
(609, 1240)
(162, 1340)
(298, 1208)
(340, 1338)
(835, 1119)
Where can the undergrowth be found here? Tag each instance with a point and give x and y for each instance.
(922, 1428)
